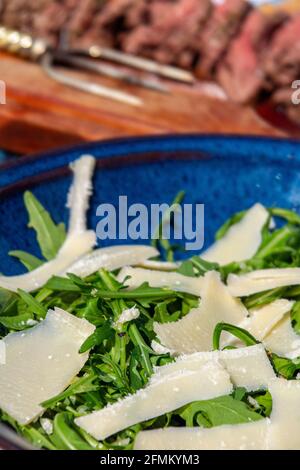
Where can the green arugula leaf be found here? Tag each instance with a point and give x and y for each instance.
(218, 411)
(264, 400)
(263, 298)
(287, 368)
(81, 385)
(186, 268)
(64, 435)
(37, 438)
(35, 306)
(158, 241)
(30, 262)
(295, 316)
(57, 283)
(49, 235)
(290, 216)
(100, 334)
(18, 322)
(8, 301)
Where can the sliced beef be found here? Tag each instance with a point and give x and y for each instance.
(50, 21)
(223, 25)
(170, 31)
(115, 10)
(108, 19)
(282, 62)
(82, 16)
(241, 71)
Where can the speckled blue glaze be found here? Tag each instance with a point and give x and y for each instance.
(227, 174)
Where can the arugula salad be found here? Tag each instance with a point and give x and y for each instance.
(125, 348)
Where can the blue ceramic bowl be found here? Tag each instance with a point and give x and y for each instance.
(227, 174)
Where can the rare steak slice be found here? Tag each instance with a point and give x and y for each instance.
(241, 71)
(282, 62)
(223, 25)
(169, 31)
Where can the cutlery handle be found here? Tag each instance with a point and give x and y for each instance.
(22, 44)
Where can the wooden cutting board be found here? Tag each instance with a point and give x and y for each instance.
(40, 114)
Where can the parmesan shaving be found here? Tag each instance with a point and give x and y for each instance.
(127, 315)
(174, 281)
(283, 340)
(194, 332)
(40, 363)
(158, 265)
(159, 349)
(80, 192)
(248, 436)
(262, 280)
(158, 398)
(2, 352)
(284, 432)
(263, 319)
(242, 240)
(112, 258)
(248, 367)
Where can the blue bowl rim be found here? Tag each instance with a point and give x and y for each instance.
(148, 139)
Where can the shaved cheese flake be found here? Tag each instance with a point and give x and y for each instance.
(242, 240)
(284, 432)
(159, 349)
(2, 352)
(248, 436)
(47, 425)
(111, 258)
(158, 265)
(80, 192)
(79, 241)
(262, 280)
(158, 398)
(74, 247)
(174, 281)
(263, 319)
(40, 363)
(283, 340)
(194, 332)
(128, 314)
(248, 367)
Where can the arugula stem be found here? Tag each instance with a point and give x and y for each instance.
(281, 236)
(236, 331)
(140, 343)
